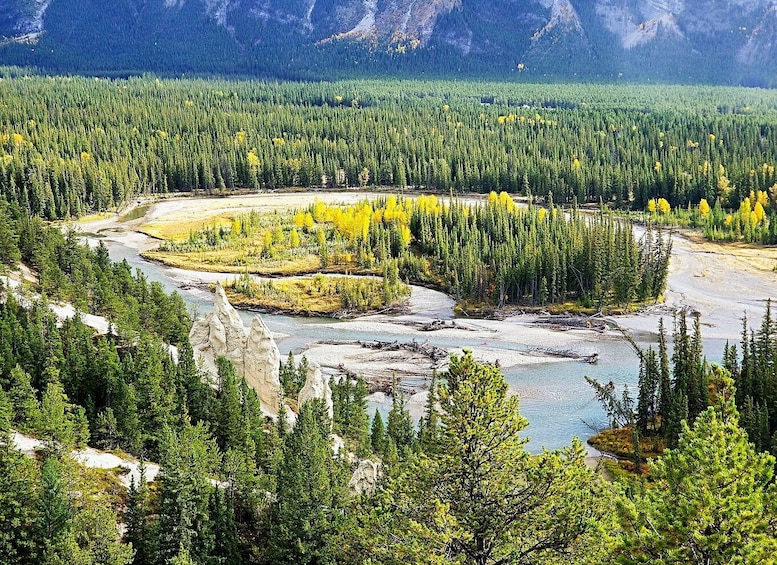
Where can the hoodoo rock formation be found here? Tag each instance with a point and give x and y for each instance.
(317, 386)
(253, 352)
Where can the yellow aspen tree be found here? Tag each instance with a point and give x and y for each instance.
(758, 213)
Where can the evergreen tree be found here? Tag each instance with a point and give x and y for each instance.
(20, 514)
(26, 409)
(54, 508)
(9, 238)
(429, 425)
(399, 427)
(649, 376)
(311, 487)
(712, 500)
(665, 381)
(230, 426)
(57, 424)
(378, 433)
(483, 499)
(189, 458)
(225, 534)
(137, 518)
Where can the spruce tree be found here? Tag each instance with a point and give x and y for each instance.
(483, 499)
(378, 433)
(137, 518)
(21, 537)
(311, 488)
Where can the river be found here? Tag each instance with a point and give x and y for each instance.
(555, 397)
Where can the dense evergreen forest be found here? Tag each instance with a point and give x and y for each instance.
(70, 145)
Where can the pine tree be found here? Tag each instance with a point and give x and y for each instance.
(649, 375)
(225, 534)
(399, 427)
(20, 513)
(483, 499)
(26, 410)
(188, 458)
(137, 518)
(429, 425)
(9, 238)
(378, 433)
(57, 424)
(230, 426)
(54, 508)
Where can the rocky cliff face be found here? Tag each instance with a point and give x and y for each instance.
(544, 36)
(23, 19)
(253, 353)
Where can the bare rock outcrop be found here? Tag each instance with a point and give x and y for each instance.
(365, 478)
(261, 363)
(253, 353)
(317, 386)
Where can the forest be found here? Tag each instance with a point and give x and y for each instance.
(69, 145)
(458, 486)
(237, 487)
(675, 388)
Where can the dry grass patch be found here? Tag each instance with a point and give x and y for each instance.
(239, 262)
(180, 229)
(758, 257)
(95, 217)
(317, 295)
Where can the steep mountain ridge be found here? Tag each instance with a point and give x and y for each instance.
(657, 39)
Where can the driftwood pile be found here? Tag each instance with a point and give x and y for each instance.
(409, 383)
(433, 352)
(567, 354)
(574, 322)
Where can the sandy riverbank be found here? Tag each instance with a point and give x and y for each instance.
(722, 282)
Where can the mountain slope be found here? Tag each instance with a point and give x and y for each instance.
(710, 40)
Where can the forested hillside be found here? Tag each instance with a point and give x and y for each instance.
(682, 41)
